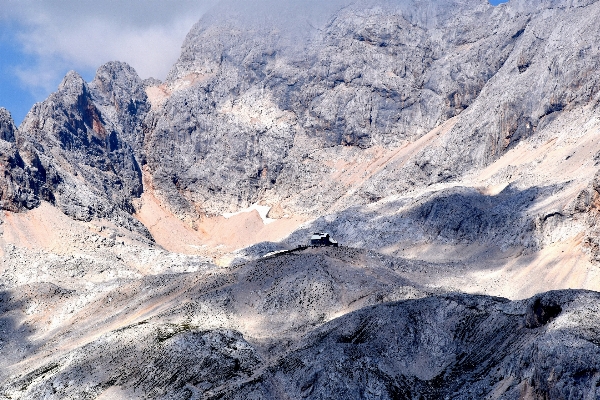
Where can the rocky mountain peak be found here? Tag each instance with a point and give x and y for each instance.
(7, 126)
(116, 75)
(80, 137)
(118, 85)
(154, 235)
(119, 93)
(72, 84)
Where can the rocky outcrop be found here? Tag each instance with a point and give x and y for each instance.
(7, 126)
(346, 88)
(254, 113)
(18, 191)
(448, 146)
(119, 93)
(452, 345)
(99, 175)
(22, 175)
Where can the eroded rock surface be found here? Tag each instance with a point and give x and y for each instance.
(449, 345)
(97, 174)
(452, 148)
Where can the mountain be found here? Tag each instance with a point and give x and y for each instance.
(452, 148)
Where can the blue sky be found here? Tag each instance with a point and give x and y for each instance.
(40, 41)
(13, 95)
(17, 93)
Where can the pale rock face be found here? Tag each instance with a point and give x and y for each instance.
(120, 95)
(7, 126)
(345, 87)
(445, 345)
(452, 148)
(97, 174)
(22, 176)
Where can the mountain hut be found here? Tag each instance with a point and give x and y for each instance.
(322, 239)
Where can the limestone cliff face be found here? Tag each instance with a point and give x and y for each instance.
(99, 175)
(449, 146)
(7, 126)
(244, 119)
(243, 104)
(119, 94)
(247, 116)
(404, 101)
(22, 175)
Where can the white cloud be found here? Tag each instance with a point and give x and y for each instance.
(84, 34)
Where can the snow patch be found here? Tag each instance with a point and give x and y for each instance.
(262, 211)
